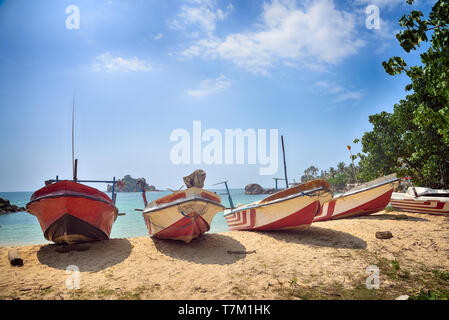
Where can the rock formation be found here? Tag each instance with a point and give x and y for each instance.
(254, 188)
(6, 207)
(129, 184)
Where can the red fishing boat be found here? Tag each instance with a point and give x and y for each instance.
(70, 212)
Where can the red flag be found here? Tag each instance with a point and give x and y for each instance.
(349, 147)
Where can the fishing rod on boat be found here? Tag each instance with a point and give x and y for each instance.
(231, 203)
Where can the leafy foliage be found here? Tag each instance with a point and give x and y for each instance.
(430, 295)
(414, 139)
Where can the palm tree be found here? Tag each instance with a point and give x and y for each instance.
(341, 167)
(310, 174)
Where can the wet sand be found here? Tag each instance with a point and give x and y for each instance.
(239, 265)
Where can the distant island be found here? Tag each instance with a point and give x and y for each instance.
(129, 184)
(254, 188)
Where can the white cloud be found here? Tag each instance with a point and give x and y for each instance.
(340, 93)
(210, 86)
(389, 4)
(316, 35)
(203, 14)
(107, 62)
(158, 36)
(352, 95)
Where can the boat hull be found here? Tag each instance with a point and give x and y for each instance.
(69, 212)
(358, 204)
(420, 205)
(294, 212)
(268, 219)
(182, 216)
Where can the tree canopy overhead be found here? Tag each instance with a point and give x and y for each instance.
(414, 139)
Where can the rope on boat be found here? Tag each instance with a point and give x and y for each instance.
(193, 217)
(202, 211)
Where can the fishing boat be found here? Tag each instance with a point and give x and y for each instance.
(365, 199)
(70, 212)
(183, 215)
(293, 208)
(422, 200)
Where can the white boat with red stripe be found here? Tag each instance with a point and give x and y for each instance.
(293, 208)
(365, 199)
(422, 200)
(183, 215)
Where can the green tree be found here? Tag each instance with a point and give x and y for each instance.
(414, 139)
(339, 181)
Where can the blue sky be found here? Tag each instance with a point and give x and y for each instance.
(141, 69)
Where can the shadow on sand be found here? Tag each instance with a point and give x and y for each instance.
(207, 249)
(387, 216)
(316, 236)
(101, 255)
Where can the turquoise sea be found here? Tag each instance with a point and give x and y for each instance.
(22, 228)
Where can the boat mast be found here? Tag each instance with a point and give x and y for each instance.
(285, 165)
(73, 139)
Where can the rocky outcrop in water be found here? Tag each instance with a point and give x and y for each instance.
(254, 188)
(129, 184)
(6, 207)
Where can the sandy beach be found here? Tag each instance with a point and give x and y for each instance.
(328, 261)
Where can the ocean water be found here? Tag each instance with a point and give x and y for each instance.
(22, 228)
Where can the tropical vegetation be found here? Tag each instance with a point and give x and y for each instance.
(339, 177)
(413, 140)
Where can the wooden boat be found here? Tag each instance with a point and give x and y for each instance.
(365, 199)
(422, 200)
(292, 208)
(183, 215)
(70, 212)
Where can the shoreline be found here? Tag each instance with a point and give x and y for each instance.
(328, 261)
